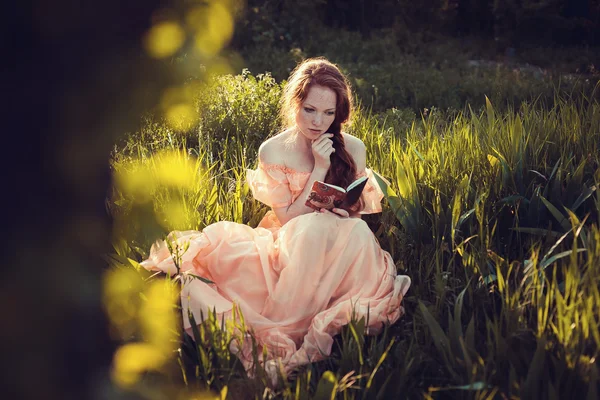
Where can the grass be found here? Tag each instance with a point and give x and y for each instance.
(494, 214)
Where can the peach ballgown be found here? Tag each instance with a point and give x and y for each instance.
(296, 284)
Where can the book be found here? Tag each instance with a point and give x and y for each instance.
(328, 196)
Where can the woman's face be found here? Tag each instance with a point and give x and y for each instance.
(317, 112)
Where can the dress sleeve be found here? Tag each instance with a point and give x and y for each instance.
(269, 184)
(372, 194)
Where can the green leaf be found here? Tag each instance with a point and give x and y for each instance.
(359, 338)
(472, 386)
(200, 351)
(464, 217)
(456, 210)
(538, 231)
(381, 359)
(513, 199)
(562, 220)
(490, 278)
(531, 386)
(440, 340)
(412, 146)
(455, 327)
(491, 115)
(459, 197)
(201, 278)
(585, 194)
(470, 334)
(506, 173)
(493, 160)
(577, 177)
(327, 387)
(558, 256)
(550, 178)
(399, 207)
(534, 212)
(555, 245)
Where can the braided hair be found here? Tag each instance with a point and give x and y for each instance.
(319, 71)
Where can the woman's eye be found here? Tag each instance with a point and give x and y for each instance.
(330, 113)
(308, 109)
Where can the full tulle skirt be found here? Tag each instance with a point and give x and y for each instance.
(295, 285)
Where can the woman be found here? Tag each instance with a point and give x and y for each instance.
(300, 275)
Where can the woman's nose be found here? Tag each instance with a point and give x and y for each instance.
(317, 120)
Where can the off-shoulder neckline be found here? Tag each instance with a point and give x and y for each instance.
(283, 168)
(289, 170)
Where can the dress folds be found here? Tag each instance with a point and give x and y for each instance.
(297, 284)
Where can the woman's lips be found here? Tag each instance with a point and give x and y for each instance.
(317, 131)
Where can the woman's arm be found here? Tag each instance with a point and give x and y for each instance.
(272, 153)
(298, 207)
(358, 151)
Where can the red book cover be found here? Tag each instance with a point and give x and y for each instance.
(325, 195)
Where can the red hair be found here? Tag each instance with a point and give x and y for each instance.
(319, 71)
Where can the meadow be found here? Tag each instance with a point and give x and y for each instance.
(492, 212)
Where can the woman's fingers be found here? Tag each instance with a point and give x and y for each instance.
(322, 140)
(337, 211)
(327, 151)
(341, 212)
(324, 147)
(323, 144)
(323, 137)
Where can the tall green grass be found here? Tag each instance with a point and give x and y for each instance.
(494, 215)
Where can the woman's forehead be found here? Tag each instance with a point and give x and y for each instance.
(321, 97)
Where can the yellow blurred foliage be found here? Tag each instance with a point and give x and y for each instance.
(219, 67)
(181, 117)
(121, 298)
(164, 39)
(213, 25)
(177, 104)
(176, 95)
(175, 215)
(158, 316)
(165, 180)
(135, 180)
(131, 359)
(175, 168)
(150, 312)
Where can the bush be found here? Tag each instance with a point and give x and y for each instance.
(242, 108)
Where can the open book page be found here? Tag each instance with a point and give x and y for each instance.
(349, 188)
(341, 189)
(356, 183)
(353, 192)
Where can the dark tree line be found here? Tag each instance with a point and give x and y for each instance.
(547, 22)
(509, 22)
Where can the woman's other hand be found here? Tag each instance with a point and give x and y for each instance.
(322, 148)
(337, 211)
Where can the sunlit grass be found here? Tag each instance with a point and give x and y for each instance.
(494, 215)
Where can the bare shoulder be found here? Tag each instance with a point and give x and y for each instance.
(357, 150)
(272, 150)
(353, 144)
